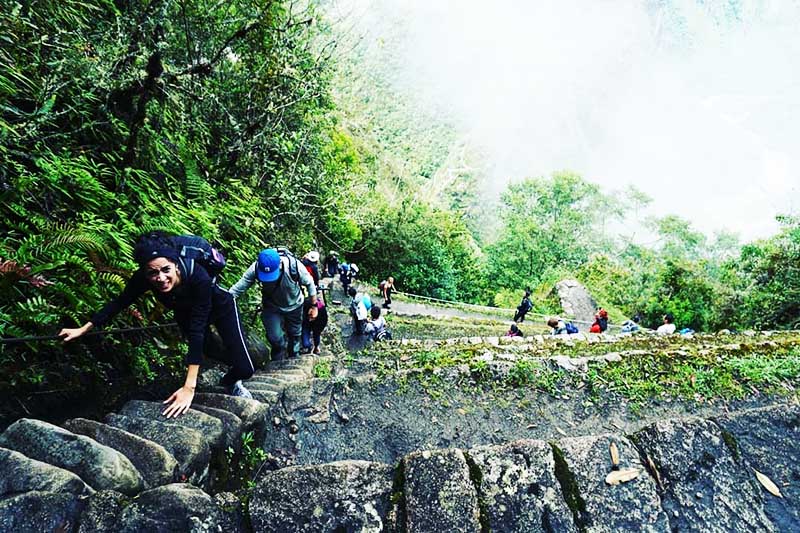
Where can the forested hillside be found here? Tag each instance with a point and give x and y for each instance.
(262, 123)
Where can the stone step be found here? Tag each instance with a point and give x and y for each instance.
(22, 474)
(274, 379)
(101, 467)
(265, 396)
(232, 426)
(189, 446)
(210, 427)
(252, 412)
(175, 507)
(277, 388)
(157, 466)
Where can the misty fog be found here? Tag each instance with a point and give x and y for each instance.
(694, 103)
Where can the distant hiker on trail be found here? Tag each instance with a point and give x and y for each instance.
(524, 307)
(560, 326)
(386, 287)
(358, 310)
(310, 261)
(600, 322)
(345, 277)
(377, 327)
(281, 276)
(667, 328)
(514, 331)
(313, 325)
(332, 264)
(181, 281)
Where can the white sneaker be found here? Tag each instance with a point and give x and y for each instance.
(239, 390)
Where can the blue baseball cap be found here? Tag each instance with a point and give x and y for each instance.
(268, 266)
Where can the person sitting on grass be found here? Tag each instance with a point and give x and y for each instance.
(376, 326)
(561, 326)
(668, 327)
(514, 331)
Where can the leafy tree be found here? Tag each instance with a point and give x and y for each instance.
(548, 223)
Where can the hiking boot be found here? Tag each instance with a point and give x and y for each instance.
(316, 351)
(239, 390)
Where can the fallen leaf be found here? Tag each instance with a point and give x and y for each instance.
(561, 431)
(768, 484)
(654, 470)
(614, 454)
(621, 476)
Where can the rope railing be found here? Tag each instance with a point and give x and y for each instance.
(15, 340)
(494, 310)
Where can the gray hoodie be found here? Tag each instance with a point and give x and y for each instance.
(286, 295)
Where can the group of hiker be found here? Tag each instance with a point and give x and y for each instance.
(560, 326)
(182, 272)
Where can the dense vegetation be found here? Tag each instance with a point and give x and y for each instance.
(253, 123)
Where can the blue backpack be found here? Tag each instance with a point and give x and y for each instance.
(571, 328)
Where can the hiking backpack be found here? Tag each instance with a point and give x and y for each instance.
(571, 328)
(193, 249)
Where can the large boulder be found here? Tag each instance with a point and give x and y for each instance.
(154, 462)
(706, 487)
(252, 413)
(19, 474)
(518, 489)
(631, 506)
(768, 439)
(99, 466)
(171, 508)
(440, 495)
(36, 512)
(340, 496)
(211, 427)
(576, 302)
(188, 446)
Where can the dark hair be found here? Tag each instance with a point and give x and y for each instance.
(352, 292)
(375, 312)
(154, 244)
(553, 322)
(514, 328)
(669, 318)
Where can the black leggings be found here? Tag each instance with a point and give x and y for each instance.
(225, 316)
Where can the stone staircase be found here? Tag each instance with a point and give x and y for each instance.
(136, 470)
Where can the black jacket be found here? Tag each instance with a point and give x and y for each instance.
(193, 302)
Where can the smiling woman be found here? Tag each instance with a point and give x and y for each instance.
(197, 301)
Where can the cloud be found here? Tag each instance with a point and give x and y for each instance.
(695, 104)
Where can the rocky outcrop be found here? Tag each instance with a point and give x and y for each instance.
(576, 302)
(767, 440)
(440, 495)
(341, 496)
(518, 489)
(705, 486)
(99, 466)
(599, 507)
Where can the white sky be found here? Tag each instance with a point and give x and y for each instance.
(696, 103)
